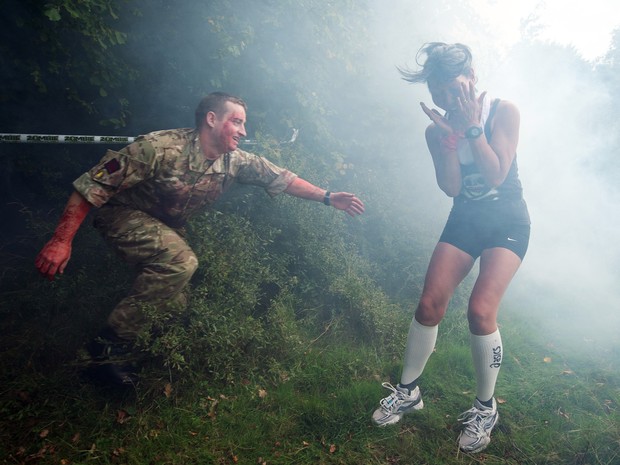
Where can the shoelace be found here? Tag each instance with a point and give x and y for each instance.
(470, 417)
(388, 403)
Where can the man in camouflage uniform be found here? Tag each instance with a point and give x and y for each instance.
(147, 191)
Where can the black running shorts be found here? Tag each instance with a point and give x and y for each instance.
(479, 230)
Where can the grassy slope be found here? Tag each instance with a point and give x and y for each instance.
(556, 408)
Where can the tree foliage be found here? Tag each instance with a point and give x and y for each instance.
(274, 275)
(64, 52)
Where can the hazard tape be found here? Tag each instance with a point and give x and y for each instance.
(62, 139)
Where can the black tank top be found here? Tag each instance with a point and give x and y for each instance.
(479, 202)
(473, 184)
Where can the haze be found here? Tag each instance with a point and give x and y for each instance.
(569, 280)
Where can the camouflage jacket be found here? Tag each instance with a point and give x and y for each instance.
(165, 174)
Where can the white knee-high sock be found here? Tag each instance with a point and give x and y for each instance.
(420, 345)
(487, 353)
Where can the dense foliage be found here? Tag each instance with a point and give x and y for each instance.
(273, 273)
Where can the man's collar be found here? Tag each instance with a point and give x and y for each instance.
(197, 160)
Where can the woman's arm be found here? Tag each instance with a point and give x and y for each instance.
(443, 149)
(495, 158)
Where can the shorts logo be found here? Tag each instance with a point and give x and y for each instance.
(510, 239)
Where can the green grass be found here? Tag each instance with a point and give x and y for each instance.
(555, 409)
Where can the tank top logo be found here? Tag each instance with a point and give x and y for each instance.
(474, 187)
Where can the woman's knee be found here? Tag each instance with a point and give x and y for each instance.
(430, 312)
(482, 319)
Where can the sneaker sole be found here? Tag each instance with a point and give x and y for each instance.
(481, 446)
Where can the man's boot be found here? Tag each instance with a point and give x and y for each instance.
(110, 357)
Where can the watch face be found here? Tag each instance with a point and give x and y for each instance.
(473, 132)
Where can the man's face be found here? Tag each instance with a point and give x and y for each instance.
(230, 127)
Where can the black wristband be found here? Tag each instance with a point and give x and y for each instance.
(326, 198)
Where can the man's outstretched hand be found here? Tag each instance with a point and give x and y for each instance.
(346, 202)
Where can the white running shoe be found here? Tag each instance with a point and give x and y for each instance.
(393, 407)
(478, 423)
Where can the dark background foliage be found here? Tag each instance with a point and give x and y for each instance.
(126, 68)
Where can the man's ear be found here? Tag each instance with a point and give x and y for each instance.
(210, 119)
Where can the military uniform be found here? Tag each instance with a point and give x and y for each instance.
(145, 193)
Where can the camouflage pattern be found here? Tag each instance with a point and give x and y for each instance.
(166, 175)
(164, 261)
(146, 192)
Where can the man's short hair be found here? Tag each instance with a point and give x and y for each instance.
(215, 102)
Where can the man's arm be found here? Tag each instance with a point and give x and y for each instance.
(344, 201)
(55, 255)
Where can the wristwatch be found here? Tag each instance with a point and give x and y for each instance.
(473, 132)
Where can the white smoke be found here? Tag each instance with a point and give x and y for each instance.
(569, 280)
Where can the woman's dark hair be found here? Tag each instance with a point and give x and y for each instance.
(444, 62)
(215, 102)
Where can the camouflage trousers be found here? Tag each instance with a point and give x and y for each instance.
(162, 258)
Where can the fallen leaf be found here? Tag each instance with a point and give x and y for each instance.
(305, 443)
(547, 359)
(563, 414)
(500, 400)
(75, 438)
(168, 389)
(332, 448)
(262, 393)
(212, 408)
(122, 416)
(44, 433)
(568, 372)
(46, 449)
